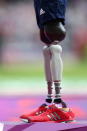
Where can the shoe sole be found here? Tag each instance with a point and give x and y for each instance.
(69, 121)
(62, 121)
(27, 121)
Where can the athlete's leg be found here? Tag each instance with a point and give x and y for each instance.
(56, 32)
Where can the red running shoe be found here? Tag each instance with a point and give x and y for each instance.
(36, 112)
(54, 114)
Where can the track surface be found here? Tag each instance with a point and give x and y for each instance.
(11, 107)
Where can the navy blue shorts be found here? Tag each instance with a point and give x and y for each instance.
(47, 10)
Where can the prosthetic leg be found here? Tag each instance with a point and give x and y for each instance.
(53, 63)
(53, 71)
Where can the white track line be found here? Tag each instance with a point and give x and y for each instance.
(1, 126)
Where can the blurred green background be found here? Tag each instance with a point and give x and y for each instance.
(71, 71)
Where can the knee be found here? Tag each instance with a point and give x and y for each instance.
(55, 31)
(45, 50)
(55, 49)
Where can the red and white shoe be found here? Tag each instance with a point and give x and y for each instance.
(54, 114)
(36, 112)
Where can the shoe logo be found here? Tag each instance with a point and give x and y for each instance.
(54, 116)
(42, 11)
(57, 115)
